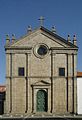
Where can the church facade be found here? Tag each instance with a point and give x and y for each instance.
(41, 70)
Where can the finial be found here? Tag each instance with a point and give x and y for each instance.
(7, 37)
(68, 38)
(74, 40)
(74, 37)
(7, 40)
(53, 29)
(13, 38)
(41, 19)
(29, 29)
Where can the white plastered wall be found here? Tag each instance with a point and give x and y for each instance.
(79, 95)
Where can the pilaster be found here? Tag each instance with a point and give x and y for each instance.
(28, 55)
(26, 83)
(7, 83)
(10, 82)
(52, 80)
(75, 82)
(70, 74)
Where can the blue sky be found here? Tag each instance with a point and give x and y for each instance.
(16, 15)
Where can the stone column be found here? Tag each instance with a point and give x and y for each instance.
(49, 104)
(33, 109)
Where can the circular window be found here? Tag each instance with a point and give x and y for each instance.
(42, 50)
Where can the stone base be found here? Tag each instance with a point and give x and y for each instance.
(43, 116)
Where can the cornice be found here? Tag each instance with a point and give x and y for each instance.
(63, 48)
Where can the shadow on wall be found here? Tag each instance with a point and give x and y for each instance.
(2, 99)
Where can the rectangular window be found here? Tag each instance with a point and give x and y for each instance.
(61, 71)
(21, 71)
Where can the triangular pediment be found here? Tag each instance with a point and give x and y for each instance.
(42, 35)
(41, 83)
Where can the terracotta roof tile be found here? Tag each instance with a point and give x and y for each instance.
(2, 88)
(79, 74)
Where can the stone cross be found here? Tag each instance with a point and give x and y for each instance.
(41, 19)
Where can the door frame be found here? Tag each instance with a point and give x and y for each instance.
(38, 86)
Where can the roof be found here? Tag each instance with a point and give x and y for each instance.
(79, 74)
(58, 37)
(2, 88)
(48, 32)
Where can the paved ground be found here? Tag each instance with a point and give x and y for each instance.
(43, 118)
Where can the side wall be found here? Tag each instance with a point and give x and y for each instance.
(79, 95)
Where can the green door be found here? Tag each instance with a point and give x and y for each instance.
(42, 101)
